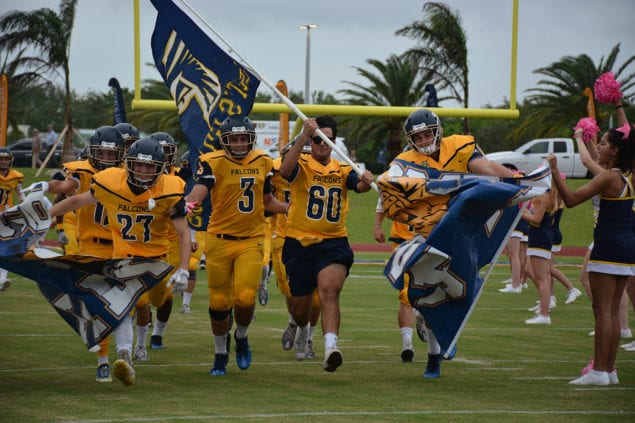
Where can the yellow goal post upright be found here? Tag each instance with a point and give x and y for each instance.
(334, 109)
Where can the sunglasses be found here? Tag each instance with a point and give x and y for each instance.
(318, 140)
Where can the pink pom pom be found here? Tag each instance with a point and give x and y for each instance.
(589, 128)
(607, 89)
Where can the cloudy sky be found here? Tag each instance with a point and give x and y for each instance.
(267, 34)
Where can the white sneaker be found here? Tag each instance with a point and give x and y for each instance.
(592, 333)
(510, 289)
(594, 377)
(552, 302)
(628, 345)
(5, 284)
(524, 285)
(536, 308)
(613, 380)
(185, 309)
(539, 319)
(626, 333)
(573, 295)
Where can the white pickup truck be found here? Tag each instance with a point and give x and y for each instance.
(532, 154)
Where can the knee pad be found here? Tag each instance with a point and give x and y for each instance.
(219, 315)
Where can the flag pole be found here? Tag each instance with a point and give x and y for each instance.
(284, 98)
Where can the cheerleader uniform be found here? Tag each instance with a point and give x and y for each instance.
(613, 250)
(541, 237)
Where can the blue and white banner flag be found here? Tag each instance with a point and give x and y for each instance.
(206, 83)
(23, 225)
(92, 295)
(443, 269)
(119, 109)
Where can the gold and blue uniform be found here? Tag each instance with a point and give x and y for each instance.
(140, 222)
(234, 246)
(455, 153)
(91, 223)
(8, 185)
(316, 223)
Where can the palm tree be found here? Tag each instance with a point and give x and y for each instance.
(557, 103)
(441, 51)
(396, 83)
(49, 35)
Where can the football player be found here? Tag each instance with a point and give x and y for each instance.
(129, 133)
(239, 180)
(10, 185)
(93, 234)
(457, 153)
(170, 147)
(141, 203)
(282, 192)
(197, 220)
(316, 252)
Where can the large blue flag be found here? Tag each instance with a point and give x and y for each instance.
(480, 213)
(92, 295)
(205, 82)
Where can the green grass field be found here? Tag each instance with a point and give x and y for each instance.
(504, 370)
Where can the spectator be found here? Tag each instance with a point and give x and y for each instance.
(51, 135)
(36, 148)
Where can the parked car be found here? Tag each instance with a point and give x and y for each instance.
(532, 154)
(22, 153)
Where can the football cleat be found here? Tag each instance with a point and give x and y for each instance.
(219, 368)
(288, 336)
(332, 359)
(103, 373)
(156, 342)
(407, 355)
(141, 353)
(185, 309)
(243, 353)
(310, 354)
(433, 367)
(123, 368)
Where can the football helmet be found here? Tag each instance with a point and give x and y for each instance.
(146, 153)
(169, 146)
(185, 159)
(422, 120)
(130, 133)
(6, 158)
(106, 148)
(237, 125)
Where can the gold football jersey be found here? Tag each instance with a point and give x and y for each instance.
(91, 220)
(319, 200)
(238, 192)
(8, 186)
(139, 223)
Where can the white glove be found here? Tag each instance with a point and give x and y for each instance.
(37, 186)
(179, 280)
(61, 237)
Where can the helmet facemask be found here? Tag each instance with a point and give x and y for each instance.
(105, 154)
(230, 146)
(148, 177)
(430, 148)
(6, 159)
